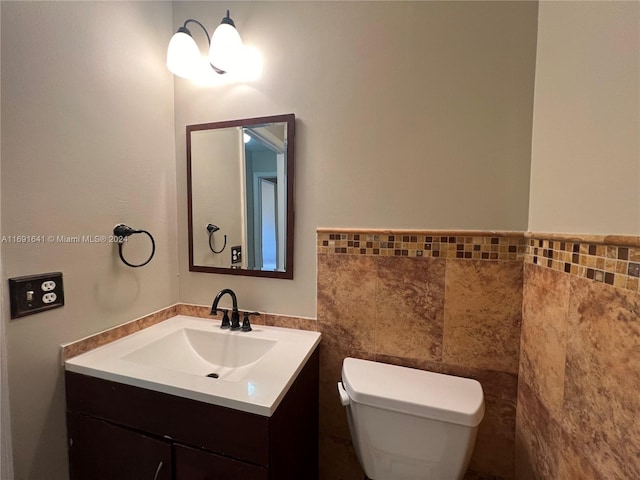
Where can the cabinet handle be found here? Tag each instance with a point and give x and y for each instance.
(158, 471)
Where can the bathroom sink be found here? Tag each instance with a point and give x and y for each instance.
(212, 353)
(193, 358)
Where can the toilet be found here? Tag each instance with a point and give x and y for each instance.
(409, 424)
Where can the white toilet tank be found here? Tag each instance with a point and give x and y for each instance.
(409, 424)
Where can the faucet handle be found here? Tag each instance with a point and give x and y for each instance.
(235, 320)
(225, 319)
(246, 326)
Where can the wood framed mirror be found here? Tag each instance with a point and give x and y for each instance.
(240, 188)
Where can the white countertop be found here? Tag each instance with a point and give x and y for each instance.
(259, 388)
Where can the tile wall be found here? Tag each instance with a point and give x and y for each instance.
(578, 401)
(448, 302)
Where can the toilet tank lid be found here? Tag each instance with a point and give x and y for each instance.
(415, 392)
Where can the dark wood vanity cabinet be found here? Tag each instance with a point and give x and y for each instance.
(192, 464)
(103, 451)
(117, 431)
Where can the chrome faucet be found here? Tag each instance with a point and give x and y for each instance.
(235, 316)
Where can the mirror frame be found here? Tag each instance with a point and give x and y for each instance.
(289, 120)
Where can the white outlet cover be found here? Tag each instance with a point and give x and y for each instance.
(49, 297)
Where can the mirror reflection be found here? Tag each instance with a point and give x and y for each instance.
(240, 189)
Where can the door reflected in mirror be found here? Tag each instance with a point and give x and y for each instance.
(240, 196)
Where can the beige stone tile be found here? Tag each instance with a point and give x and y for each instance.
(331, 358)
(620, 281)
(428, 365)
(602, 377)
(333, 416)
(471, 475)
(409, 307)
(262, 319)
(346, 300)
(338, 459)
(494, 449)
(575, 465)
(290, 322)
(284, 321)
(544, 334)
(201, 311)
(482, 316)
(537, 438)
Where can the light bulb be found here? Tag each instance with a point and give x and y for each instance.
(226, 48)
(183, 55)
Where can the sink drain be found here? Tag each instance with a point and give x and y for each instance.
(213, 375)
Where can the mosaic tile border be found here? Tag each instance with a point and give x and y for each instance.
(617, 265)
(465, 245)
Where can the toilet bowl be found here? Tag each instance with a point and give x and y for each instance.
(409, 424)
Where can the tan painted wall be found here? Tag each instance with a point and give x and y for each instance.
(409, 115)
(87, 142)
(586, 144)
(6, 452)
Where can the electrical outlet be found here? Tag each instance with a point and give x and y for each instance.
(236, 254)
(24, 297)
(49, 297)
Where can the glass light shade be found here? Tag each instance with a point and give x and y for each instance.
(183, 56)
(226, 48)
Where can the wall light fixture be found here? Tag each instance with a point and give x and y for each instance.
(227, 55)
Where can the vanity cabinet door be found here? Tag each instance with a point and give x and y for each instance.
(192, 464)
(101, 451)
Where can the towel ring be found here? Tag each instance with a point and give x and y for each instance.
(121, 232)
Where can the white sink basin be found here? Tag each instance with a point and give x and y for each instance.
(204, 352)
(193, 358)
